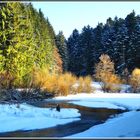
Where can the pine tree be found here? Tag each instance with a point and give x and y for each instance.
(119, 38)
(62, 47)
(74, 53)
(98, 49)
(130, 22)
(44, 43)
(20, 52)
(136, 42)
(87, 45)
(27, 39)
(17, 43)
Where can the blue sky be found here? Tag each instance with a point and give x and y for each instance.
(67, 16)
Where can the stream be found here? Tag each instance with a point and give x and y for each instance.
(89, 117)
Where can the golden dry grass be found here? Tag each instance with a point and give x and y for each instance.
(61, 84)
(110, 82)
(87, 84)
(84, 84)
(51, 82)
(80, 87)
(45, 80)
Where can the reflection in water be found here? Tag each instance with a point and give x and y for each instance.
(89, 117)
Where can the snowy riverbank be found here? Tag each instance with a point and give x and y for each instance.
(125, 125)
(27, 117)
(130, 101)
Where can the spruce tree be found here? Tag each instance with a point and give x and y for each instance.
(87, 44)
(19, 59)
(62, 47)
(74, 52)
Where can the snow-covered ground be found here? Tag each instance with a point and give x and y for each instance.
(108, 100)
(97, 87)
(99, 99)
(98, 104)
(125, 125)
(27, 117)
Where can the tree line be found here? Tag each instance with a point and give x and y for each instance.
(119, 38)
(28, 41)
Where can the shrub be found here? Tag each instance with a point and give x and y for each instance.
(65, 84)
(135, 80)
(45, 80)
(111, 83)
(50, 84)
(125, 76)
(87, 83)
(80, 87)
(105, 73)
(61, 84)
(6, 80)
(84, 84)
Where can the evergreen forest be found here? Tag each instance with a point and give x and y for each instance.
(28, 43)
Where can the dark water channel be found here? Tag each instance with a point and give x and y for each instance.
(89, 117)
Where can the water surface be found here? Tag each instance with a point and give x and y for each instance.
(89, 117)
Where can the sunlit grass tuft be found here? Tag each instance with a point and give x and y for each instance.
(84, 84)
(61, 84)
(111, 82)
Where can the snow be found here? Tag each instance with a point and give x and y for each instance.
(27, 117)
(129, 101)
(99, 99)
(99, 104)
(125, 125)
(97, 85)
